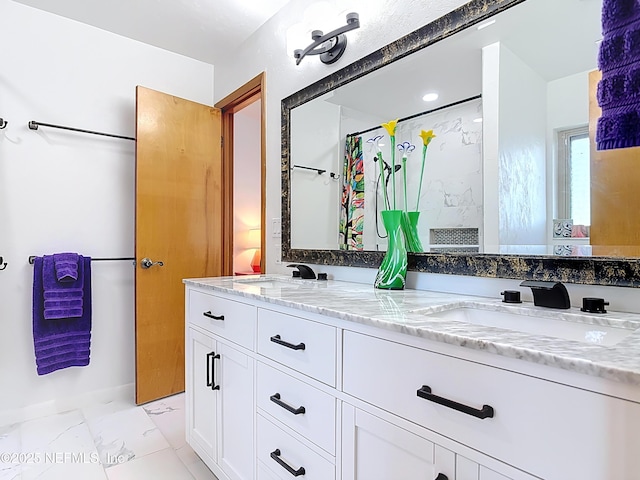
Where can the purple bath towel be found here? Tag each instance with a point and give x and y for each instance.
(62, 339)
(66, 363)
(66, 265)
(63, 342)
(44, 351)
(619, 90)
(70, 291)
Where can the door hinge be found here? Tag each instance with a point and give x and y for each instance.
(222, 141)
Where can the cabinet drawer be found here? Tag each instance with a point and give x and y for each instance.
(303, 345)
(278, 394)
(547, 429)
(275, 445)
(233, 320)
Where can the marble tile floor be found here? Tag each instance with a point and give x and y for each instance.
(111, 441)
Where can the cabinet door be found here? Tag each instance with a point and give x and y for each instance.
(486, 474)
(469, 470)
(200, 397)
(466, 469)
(374, 449)
(234, 371)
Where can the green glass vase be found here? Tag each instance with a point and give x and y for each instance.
(392, 272)
(410, 229)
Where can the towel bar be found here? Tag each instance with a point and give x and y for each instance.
(33, 125)
(33, 257)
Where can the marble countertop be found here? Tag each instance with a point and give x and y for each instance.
(602, 345)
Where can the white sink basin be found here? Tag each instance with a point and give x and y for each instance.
(577, 329)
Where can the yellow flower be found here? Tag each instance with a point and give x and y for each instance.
(390, 127)
(427, 136)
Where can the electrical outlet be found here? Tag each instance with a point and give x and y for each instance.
(276, 228)
(277, 252)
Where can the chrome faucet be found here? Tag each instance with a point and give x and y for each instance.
(548, 294)
(303, 271)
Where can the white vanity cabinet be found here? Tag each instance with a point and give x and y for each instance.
(220, 385)
(306, 395)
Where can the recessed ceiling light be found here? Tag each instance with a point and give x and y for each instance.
(477, 120)
(430, 97)
(486, 24)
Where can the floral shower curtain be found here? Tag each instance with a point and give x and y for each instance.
(352, 207)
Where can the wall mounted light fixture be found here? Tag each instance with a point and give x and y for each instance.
(329, 46)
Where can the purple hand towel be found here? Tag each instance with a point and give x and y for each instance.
(66, 265)
(64, 342)
(68, 291)
(62, 303)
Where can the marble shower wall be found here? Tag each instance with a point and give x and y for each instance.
(451, 195)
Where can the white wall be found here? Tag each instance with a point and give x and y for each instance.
(522, 164)
(567, 107)
(63, 191)
(381, 21)
(247, 185)
(313, 194)
(490, 145)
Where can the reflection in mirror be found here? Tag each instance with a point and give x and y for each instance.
(499, 177)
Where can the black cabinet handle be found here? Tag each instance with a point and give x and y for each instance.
(275, 398)
(209, 368)
(211, 315)
(442, 476)
(485, 412)
(213, 378)
(276, 339)
(276, 456)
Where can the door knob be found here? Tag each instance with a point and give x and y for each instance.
(3, 264)
(148, 263)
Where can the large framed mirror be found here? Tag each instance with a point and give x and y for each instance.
(511, 186)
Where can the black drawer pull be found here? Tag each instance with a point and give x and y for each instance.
(485, 412)
(276, 456)
(213, 378)
(211, 315)
(276, 339)
(275, 398)
(442, 476)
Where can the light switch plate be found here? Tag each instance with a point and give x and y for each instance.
(276, 228)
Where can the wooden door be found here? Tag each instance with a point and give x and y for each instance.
(615, 181)
(179, 222)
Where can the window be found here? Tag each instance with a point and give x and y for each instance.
(574, 199)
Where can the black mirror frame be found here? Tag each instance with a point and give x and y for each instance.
(583, 270)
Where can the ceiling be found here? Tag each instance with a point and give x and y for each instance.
(206, 30)
(554, 38)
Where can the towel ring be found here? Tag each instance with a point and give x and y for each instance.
(3, 125)
(3, 264)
